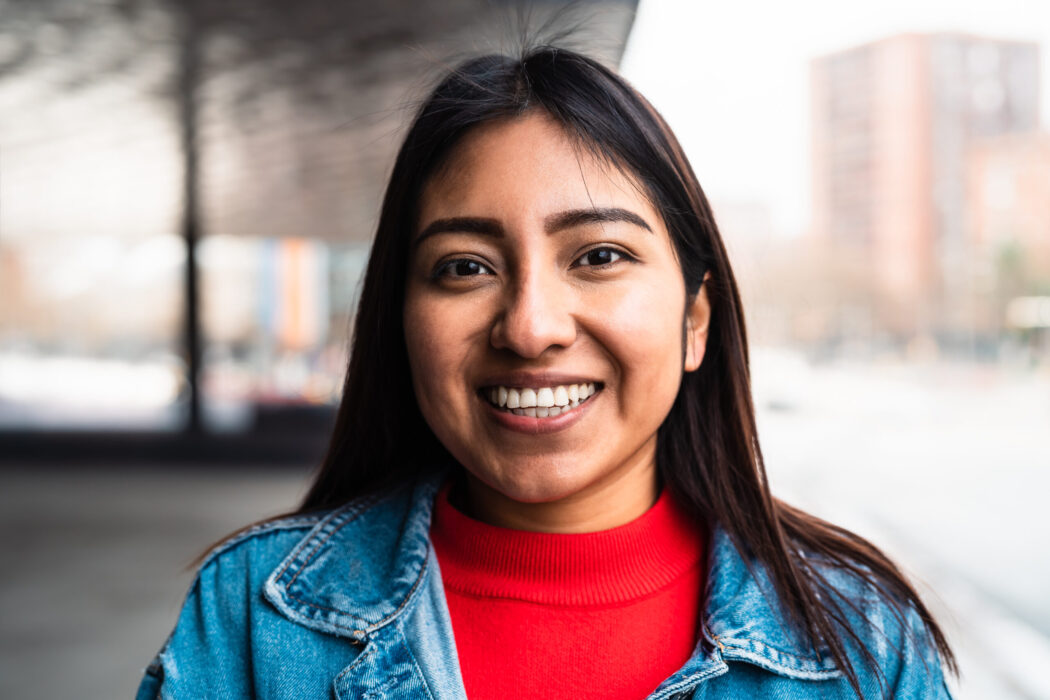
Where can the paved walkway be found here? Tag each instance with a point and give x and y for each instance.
(95, 566)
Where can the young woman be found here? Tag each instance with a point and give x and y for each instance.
(545, 478)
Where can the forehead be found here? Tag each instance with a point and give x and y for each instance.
(527, 166)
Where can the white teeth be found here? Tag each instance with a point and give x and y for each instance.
(542, 402)
(528, 398)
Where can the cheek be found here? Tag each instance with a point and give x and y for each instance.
(642, 330)
(428, 357)
(425, 346)
(648, 317)
(440, 340)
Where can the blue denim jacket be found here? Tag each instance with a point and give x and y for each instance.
(351, 603)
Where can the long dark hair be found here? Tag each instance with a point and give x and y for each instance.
(708, 450)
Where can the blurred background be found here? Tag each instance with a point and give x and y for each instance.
(188, 190)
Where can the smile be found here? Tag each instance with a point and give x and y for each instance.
(540, 402)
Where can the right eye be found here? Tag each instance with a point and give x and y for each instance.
(462, 267)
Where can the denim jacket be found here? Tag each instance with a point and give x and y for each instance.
(350, 603)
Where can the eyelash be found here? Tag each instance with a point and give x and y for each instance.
(445, 269)
(621, 256)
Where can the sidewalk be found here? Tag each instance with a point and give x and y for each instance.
(96, 563)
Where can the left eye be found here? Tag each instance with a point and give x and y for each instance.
(599, 257)
(464, 267)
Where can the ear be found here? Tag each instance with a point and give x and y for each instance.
(697, 321)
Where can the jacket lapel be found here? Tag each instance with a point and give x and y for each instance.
(367, 572)
(353, 575)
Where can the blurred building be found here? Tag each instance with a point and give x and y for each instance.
(1008, 197)
(893, 124)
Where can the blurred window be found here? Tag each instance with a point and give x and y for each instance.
(91, 265)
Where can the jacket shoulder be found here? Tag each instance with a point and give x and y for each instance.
(903, 653)
(262, 544)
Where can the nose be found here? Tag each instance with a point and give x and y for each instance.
(535, 315)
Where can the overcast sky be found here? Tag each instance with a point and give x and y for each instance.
(732, 77)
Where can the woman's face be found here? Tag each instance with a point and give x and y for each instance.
(544, 320)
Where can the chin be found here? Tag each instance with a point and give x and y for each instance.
(536, 483)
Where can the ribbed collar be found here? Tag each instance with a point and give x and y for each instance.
(596, 568)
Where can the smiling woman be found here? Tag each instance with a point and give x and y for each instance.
(538, 275)
(545, 478)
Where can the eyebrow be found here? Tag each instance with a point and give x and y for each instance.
(552, 224)
(461, 224)
(579, 217)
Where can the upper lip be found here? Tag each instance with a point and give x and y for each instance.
(528, 378)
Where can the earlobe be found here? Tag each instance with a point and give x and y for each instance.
(697, 321)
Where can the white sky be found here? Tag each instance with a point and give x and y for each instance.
(732, 77)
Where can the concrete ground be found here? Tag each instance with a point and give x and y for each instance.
(96, 562)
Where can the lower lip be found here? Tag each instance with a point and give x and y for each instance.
(539, 426)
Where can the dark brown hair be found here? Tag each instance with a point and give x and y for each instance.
(708, 450)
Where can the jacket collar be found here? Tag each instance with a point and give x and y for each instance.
(352, 575)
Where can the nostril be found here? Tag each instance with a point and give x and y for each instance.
(530, 335)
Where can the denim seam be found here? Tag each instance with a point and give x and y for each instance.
(371, 627)
(693, 680)
(426, 686)
(350, 515)
(383, 689)
(369, 650)
(408, 598)
(799, 667)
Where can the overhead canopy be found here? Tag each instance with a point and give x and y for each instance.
(300, 103)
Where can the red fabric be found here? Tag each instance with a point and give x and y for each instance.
(605, 615)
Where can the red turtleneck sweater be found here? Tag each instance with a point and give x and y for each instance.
(605, 615)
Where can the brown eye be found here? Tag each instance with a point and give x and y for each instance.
(599, 257)
(463, 267)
